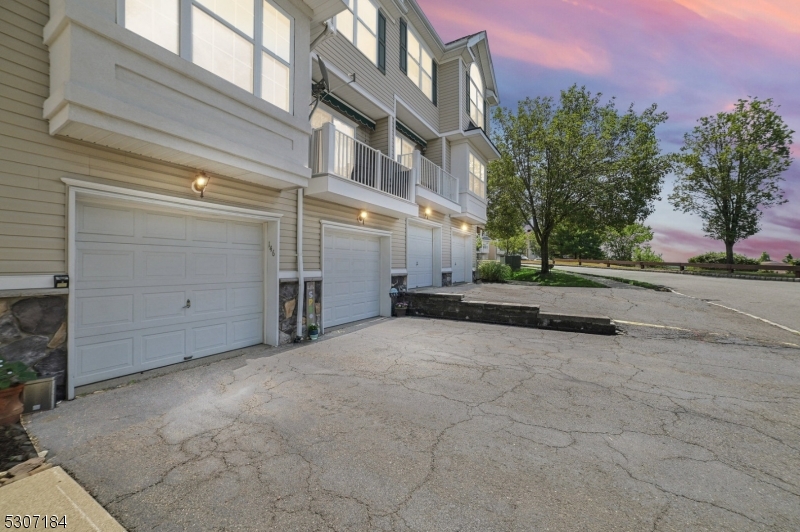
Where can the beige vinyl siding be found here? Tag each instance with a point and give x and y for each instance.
(382, 138)
(447, 160)
(316, 211)
(32, 162)
(340, 52)
(450, 105)
(434, 151)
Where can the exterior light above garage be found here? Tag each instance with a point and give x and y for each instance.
(200, 183)
(362, 217)
(464, 227)
(427, 212)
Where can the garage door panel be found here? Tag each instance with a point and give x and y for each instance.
(351, 277)
(164, 226)
(163, 264)
(93, 219)
(160, 305)
(157, 347)
(209, 230)
(209, 336)
(131, 291)
(104, 360)
(104, 265)
(104, 310)
(420, 256)
(210, 264)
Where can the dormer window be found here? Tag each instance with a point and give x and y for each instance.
(476, 104)
(221, 37)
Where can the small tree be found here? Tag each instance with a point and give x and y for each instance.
(646, 254)
(788, 259)
(621, 245)
(731, 166)
(764, 257)
(577, 161)
(577, 242)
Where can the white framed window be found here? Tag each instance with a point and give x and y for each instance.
(420, 64)
(324, 116)
(246, 42)
(477, 176)
(476, 101)
(359, 25)
(404, 150)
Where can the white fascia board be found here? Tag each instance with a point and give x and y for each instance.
(26, 282)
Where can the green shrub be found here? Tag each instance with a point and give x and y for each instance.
(646, 254)
(12, 373)
(493, 272)
(719, 257)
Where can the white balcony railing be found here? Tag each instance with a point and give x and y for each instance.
(432, 177)
(437, 180)
(333, 152)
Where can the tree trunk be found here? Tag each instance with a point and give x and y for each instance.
(545, 256)
(729, 252)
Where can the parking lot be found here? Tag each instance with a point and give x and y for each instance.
(418, 424)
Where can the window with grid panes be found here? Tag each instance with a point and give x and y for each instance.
(359, 25)
(246, 42)
(477, 176)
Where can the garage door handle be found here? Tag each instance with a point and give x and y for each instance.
(417, 263)
(188, 303)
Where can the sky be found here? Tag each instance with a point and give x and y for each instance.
(693, 58)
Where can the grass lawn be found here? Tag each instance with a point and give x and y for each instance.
(554, 278)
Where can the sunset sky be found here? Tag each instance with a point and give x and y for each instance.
(691, 57)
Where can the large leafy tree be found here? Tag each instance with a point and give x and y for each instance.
(730, 171)
(577, 160)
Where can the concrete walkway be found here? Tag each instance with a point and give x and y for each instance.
(53, 493)
(416, 424)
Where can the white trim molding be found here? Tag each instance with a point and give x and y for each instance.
(356, 228)
(399, 271)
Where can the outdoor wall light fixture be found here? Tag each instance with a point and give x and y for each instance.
(464, 227)
(362, 217)
(200, 183)
(427, 212)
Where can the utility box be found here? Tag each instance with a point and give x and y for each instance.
(515, 261)
(39, 394)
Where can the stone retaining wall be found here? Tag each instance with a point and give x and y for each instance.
(33, 330)
(453, 307)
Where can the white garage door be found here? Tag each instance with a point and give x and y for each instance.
(420, 256)
(154, 288)
(351, 277)
(459, 259)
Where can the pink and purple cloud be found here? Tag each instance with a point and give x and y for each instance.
(692, 57)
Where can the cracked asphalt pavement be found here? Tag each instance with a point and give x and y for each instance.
(419, 424)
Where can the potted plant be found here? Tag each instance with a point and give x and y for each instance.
(313, 331)
(400, 308)
(13, 375)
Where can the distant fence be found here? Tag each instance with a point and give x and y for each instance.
(681, 265)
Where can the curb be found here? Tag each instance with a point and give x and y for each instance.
(701, 274)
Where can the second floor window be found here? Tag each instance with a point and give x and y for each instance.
(221, 37)
(477, 176)
(420, 65)
(360, 25)
(476, 101)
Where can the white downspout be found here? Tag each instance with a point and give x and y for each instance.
(301, 289)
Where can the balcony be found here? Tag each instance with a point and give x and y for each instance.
(436, 188)
(349, 172)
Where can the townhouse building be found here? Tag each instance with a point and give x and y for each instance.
(166, 192)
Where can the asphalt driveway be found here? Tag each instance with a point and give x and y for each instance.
(417, 424)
